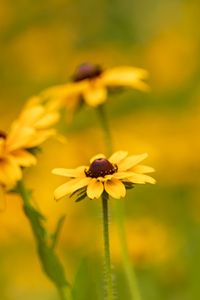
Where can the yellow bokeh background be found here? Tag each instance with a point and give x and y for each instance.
(41, 44)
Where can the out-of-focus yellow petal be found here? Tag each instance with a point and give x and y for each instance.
(78, 172)
(118, 156)
(115, 188)
(48, 120)
(10, 172)
(33, 101)
(19, 137)
(95, 95)
(64, 91)
(2, 146)
(40, 137)
(100, 155)
(131, 161)
(95, 189)
(31, 115)
(141, 179)
(126, 76)
(24, 158)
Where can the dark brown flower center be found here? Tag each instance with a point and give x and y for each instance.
(3, 135)
(100, 167)
(87, 71)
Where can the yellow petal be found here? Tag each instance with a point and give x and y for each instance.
(118, 156)
(131, 161)
(123, 175)
(115, 188)
(31, 115)
(126, 76)
(105, 178)
(81, 183)
(2, 146)
(78, 172)
(65, 189)
(100, 155)
(40, 137)
(19, 137)
(95, 189)
(141, 179)
(66, 90)
(47, 121)
(70, 187)
(32, 101)
(24, 158)
(142, 169)
(95, 95)
(10, 172)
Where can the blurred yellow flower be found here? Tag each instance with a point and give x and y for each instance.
(91, 84)
(33, 126)
(30, 130)
(111, 175)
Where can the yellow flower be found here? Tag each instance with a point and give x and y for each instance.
(11, 162)
(91, 84)
(30, 130)
(33, 126)
(113, 176)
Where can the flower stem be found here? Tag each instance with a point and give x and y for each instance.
(108, 269)
(119, 216)
(50, 262)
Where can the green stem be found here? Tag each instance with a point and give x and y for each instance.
(119, 215)
(50, 262)
(108, 269)
(64, 293)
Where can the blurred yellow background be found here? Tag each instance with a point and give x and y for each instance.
(41, 44)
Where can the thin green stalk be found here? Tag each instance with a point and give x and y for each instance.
(50, 262)
(108, 268)
(119, 215)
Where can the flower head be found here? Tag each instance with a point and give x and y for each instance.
(90, 83)
(113, 176)
(33, 126)
(30, 129)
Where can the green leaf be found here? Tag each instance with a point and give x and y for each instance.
(48, 258)
(55, 235)
(52, 265)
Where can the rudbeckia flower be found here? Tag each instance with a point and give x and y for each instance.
(31, 129)
(91, 84)
(11, 162)
(113, 176)
(33, 126)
